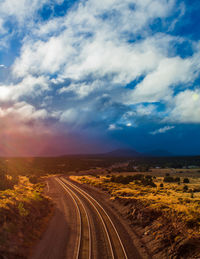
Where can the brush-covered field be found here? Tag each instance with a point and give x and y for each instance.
(24, 210)
(166, 206)
(163, 204)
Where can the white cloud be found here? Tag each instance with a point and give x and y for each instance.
(158, 85)
(22, 9)
(186, 107)
(114, 127)
(85, 44)
(43, 57)
(143, 110)
(62, 47)
(23, 112)
(102, 57)
(2, 28)
(29, 86)
(24, 118)
(162, 130)
(82, 89)
(73, 54)
(70, 116)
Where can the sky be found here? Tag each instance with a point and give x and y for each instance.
(91, 76)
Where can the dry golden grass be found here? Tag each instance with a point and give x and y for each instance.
(169, 198)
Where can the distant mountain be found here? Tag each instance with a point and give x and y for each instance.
(159, 152)
(123, 153)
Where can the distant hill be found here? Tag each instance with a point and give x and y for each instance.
(123, 153)
(159, 152)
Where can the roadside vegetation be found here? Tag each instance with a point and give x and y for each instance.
(167, 208)
(24, 212)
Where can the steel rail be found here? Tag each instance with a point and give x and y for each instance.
(87, 217)
(79, 216)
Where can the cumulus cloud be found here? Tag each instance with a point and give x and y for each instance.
(23, 118)
(186, 107)
(162, 130)
(90, 43)
(29, 86)
(158, 85)
(24, 112)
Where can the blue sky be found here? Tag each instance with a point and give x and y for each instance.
(90, 76)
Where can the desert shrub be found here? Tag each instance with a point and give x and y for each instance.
(148, 177)
(161, 185)
(177, 179)
(33, 179)
(186, 180)
(148, 182)
(185, 188)
(196, 189)
(138, 178)
(106, 180)
(7, 182)
(22, 211)
(170, 179)
(125, 179)
(121, 179)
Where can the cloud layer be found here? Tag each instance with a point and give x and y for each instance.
(97, 66)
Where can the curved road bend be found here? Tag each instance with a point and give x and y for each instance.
(81, 228)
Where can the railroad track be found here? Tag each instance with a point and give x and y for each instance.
(111, 244)
(84, 242)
